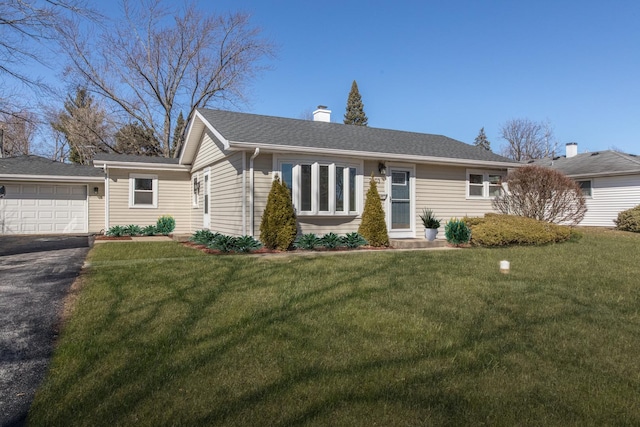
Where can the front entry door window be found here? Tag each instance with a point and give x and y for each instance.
(400, 200)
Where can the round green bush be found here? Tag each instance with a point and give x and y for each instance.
(457, 232)
(504, 230)
(629, 220)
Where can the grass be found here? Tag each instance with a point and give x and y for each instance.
(165, 335)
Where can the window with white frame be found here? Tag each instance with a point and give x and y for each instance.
(483, 184)
(322, 188)
(585, 186)
(143, 191)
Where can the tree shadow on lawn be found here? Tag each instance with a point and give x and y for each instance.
(123, 375)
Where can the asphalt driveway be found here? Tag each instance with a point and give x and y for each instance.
(36, 273)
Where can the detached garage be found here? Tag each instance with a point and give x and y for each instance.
(41, 196)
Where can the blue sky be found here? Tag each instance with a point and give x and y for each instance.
(452, 67)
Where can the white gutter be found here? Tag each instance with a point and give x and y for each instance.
(372, 155)
(251, 183)
(50, 178)
(141, 165)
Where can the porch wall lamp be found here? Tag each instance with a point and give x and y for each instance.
(96, 190)
(382, 168)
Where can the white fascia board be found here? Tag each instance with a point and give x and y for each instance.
(372, 155)
(603, 174)
(112, 164)
(52, 178)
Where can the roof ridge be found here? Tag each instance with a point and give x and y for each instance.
(626, 157)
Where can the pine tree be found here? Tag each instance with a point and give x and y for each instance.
(482, 141)
(373, 226)
(278, 226)
(355, 109)
(178, 134)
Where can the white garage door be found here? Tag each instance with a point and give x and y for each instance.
(43, 209)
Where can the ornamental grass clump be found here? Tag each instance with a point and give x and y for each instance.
(373, 226)
(132, 230)
(629, 220)
(307, 241)
(166, 224)
(278, 227)
(330, 241)
(115, 231)
(203, 237)
(353, 240)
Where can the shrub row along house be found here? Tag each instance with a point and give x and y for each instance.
(224, 172)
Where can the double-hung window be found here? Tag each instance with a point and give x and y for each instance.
(143, 191)
(585, 186)
(322, 188)
(483, 184)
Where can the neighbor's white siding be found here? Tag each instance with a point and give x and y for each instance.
(174, 198)
(611, 195)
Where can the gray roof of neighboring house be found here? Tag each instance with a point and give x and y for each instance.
(36, 165)
(296, 133)
(596, 163)
(135, 159)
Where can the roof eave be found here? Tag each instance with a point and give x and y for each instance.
(52, 178)
(237, 145)
(603, 174)
(194, 135)
(117, 164)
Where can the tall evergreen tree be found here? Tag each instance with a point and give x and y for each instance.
(482, 141)
(355, 109)
(178, 134)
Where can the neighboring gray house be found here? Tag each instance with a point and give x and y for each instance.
(41, 196)
(228, 161)
(610, 181)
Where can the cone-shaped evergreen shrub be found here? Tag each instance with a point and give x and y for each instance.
(373, 226)
(278, 226)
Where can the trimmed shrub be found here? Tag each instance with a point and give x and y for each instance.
(457, 232)
(278, 227)
(373, 226)
(166, 224)
(307, 241)
(629, 220)
(353, 240)
(503, 230)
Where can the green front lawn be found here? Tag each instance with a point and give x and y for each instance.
(165, 335)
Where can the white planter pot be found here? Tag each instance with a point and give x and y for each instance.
(430, 234)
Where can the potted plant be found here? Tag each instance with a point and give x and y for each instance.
(431, 224)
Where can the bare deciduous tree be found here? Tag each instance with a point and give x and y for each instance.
(543, 194)
(527, 140)
(157, 62)
(25, 26)
(18, 130)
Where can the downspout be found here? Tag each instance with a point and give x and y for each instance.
(251, 184)
(106, 199)
(244, 193)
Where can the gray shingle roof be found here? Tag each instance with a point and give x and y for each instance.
(596, 163)
(135, 159)
(252, 128)
(36, 165)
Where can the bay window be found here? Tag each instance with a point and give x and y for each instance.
(322, 188)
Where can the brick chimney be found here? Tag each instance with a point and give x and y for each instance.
(322, 114)
(571, 149)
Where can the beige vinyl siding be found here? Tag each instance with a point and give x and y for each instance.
(611, 195)
(226, 196)
(321, 226)
(96, 208)
(174, 198)
(262, 166)
(210, 151)
(443, 189)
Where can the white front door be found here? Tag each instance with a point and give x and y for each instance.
(206, 219)
(400, 217)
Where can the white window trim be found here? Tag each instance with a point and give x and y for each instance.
(590, 196)
(154, 189)
(485, 182)
(315, 163)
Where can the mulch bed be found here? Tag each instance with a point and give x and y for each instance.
(206, 250)
(113, 238)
